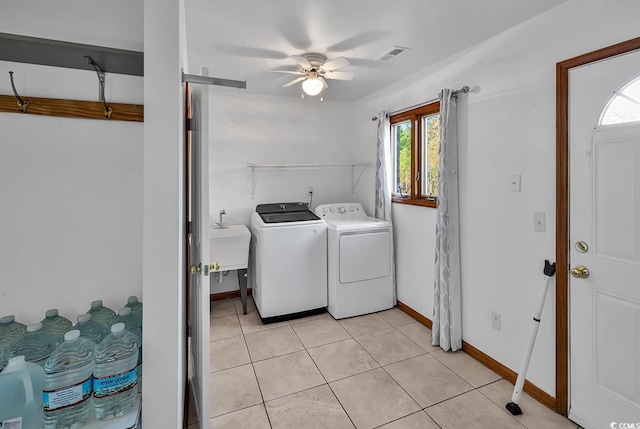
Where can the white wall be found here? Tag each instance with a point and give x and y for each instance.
(164, 339)
(506, 128)
(275, 130)
(116, 23)
(70, 189)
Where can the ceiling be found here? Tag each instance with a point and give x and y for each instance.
(244, 39)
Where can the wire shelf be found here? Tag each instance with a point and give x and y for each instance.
(255, 168)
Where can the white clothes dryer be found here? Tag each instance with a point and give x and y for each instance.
(358, 260)
(288, 261)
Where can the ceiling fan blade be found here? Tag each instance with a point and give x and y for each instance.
(358, 40)
(244, 51)
(293, 82)
(302, 61)
(288, 72)
(293, 29)
(335, 64)
(339, 75)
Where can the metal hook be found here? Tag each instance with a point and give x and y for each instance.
(100, 73)
(22, 103)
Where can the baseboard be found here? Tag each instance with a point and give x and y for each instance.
(225, 295)
(534, 391)
(411, 312)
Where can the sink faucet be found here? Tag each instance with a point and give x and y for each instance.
(220, 223)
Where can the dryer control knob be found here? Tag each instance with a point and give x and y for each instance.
(341, 210)
(332, 210)
(350, 209)
(324, 210)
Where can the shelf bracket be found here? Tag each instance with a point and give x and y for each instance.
(353, 168)
(22, 103)
(206, 80)
(107, 110)
(254, 179)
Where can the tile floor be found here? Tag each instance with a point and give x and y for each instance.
(373, 371)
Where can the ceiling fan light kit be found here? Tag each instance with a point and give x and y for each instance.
(312, 85)
(314, 68)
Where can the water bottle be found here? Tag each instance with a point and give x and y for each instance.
(101, 314)
(132, 324)
(55, 325)
(3, 358)
(10, 331)
(21, 395)
(35, 345)
(115, 377)
(68, 383)
(136, 307)
(90, 329)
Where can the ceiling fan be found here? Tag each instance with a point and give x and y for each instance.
(314, 69)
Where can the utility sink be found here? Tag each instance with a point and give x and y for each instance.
(229, 247)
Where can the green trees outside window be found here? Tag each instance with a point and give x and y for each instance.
(416, 145)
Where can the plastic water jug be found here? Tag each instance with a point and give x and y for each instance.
(136, 307)
(3, 358)
(35, 345)
(21, 395)
(68, 383)
(90, 329)
(102, 314)
(132, 324)
(131, 321)
(115, 377)
(55, 324)
(10, 331)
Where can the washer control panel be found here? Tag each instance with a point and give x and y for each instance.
(340, 211)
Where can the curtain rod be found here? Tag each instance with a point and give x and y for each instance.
(464, 90)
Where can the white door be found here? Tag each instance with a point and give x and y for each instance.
(199, 253)
(605, 239)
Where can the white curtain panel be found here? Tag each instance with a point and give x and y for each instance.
(383, 184)
(447, 321)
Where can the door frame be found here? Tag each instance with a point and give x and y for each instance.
(562, 209)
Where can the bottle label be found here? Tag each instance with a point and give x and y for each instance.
(12, 424)
(66, 396)
(106, 386)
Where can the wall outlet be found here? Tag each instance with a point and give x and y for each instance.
(496, 320)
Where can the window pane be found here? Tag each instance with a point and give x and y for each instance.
(624, 106)
(430, 153)
(401, 140)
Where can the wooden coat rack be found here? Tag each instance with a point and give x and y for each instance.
(15, 48)
(73, 108)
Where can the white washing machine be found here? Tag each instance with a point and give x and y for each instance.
(359, 260)
(289, 261)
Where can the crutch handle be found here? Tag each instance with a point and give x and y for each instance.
(549, 268)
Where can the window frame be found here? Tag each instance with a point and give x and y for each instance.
(415, 116)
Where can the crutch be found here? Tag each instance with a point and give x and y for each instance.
(513, 407)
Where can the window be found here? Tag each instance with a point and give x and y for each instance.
(415, 139)
(624, 106)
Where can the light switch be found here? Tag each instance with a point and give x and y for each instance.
(514, 183)
(539, 222)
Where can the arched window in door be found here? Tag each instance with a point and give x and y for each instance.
(624, 106)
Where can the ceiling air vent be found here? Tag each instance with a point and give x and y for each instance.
(391, 53)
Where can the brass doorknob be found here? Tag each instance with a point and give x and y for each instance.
(195, 269)
(580, 272)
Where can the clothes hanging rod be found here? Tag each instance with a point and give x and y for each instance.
(464, 90)
(206, 80)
